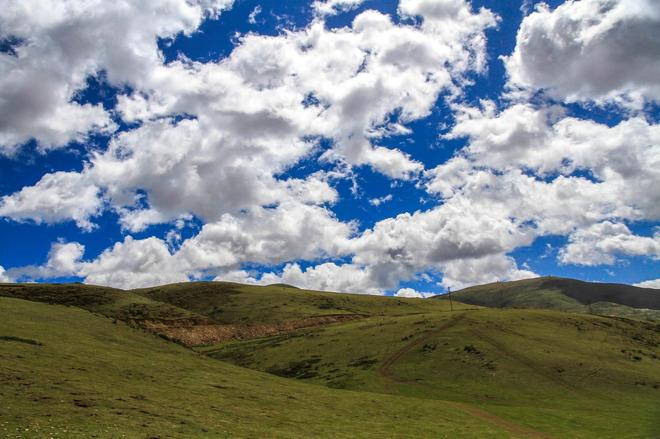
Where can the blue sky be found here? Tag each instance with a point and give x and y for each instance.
(366, 146)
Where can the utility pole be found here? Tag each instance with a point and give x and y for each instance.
(451, 304)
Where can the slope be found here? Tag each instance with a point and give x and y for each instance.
(238, 311)
(564, 374)
(232, 303)
(209, 312)
(65, 372)
(110, 302)
(566, 295)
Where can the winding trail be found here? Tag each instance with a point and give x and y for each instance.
(529, 364)
(385, 370)
(516, 430)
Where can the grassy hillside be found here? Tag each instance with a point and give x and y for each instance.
(356, 365)
(231, 303)
(68, 373)
(110, 302)
(567, 375)
(566, 295)
(207, 312)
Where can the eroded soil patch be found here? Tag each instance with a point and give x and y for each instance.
(191, 333)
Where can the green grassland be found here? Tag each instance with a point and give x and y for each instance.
(565, 374)
(110, 302)
(67, 373)
(565, 295)
(230, 303)
(77, 365)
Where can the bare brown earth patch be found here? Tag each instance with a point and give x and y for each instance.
(195, 333)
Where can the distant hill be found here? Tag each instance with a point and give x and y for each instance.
(284, 286)
(194, 313)
(234, 303)
(565, 295)
(109, 302)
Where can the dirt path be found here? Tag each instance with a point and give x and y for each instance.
(536, 368)
(516, 431)
(385, 368)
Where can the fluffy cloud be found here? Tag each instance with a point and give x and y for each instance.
(525, 173)
(184, 168)
(398, 248)
(238, 276)
(3, 275)
(328, 276)
(254, 114)
(350, 85)
(267, 236)
(412, 293)
(558, 172)
(55, 198)
(536, 172)
(459, 274)
(590, 50)
(655, 283)
(128, 264)
(64, 259)
(60, 43)
(332, 7)
(601, 243)
(215, 141)
(547, 142)
(134, 264)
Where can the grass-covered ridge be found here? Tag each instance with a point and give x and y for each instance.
(110, 302)
(232, 303)
(205, 312)
(565, 295)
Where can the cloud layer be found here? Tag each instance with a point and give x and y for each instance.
(222, 142)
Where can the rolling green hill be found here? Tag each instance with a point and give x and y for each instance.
(206, 312)
(267, 360)
(67, 373)
(231, 303)
(567, 375)
(565, 295)
(110, 302)
(236, 311)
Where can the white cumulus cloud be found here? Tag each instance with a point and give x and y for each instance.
(60, 43)
(332, 7)
(655, 283)
(64, 259)
(254, 114)
(411, 293)
(603, 242)
(590, 50)
(3, 275)
(56, 197)
(134, 264)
